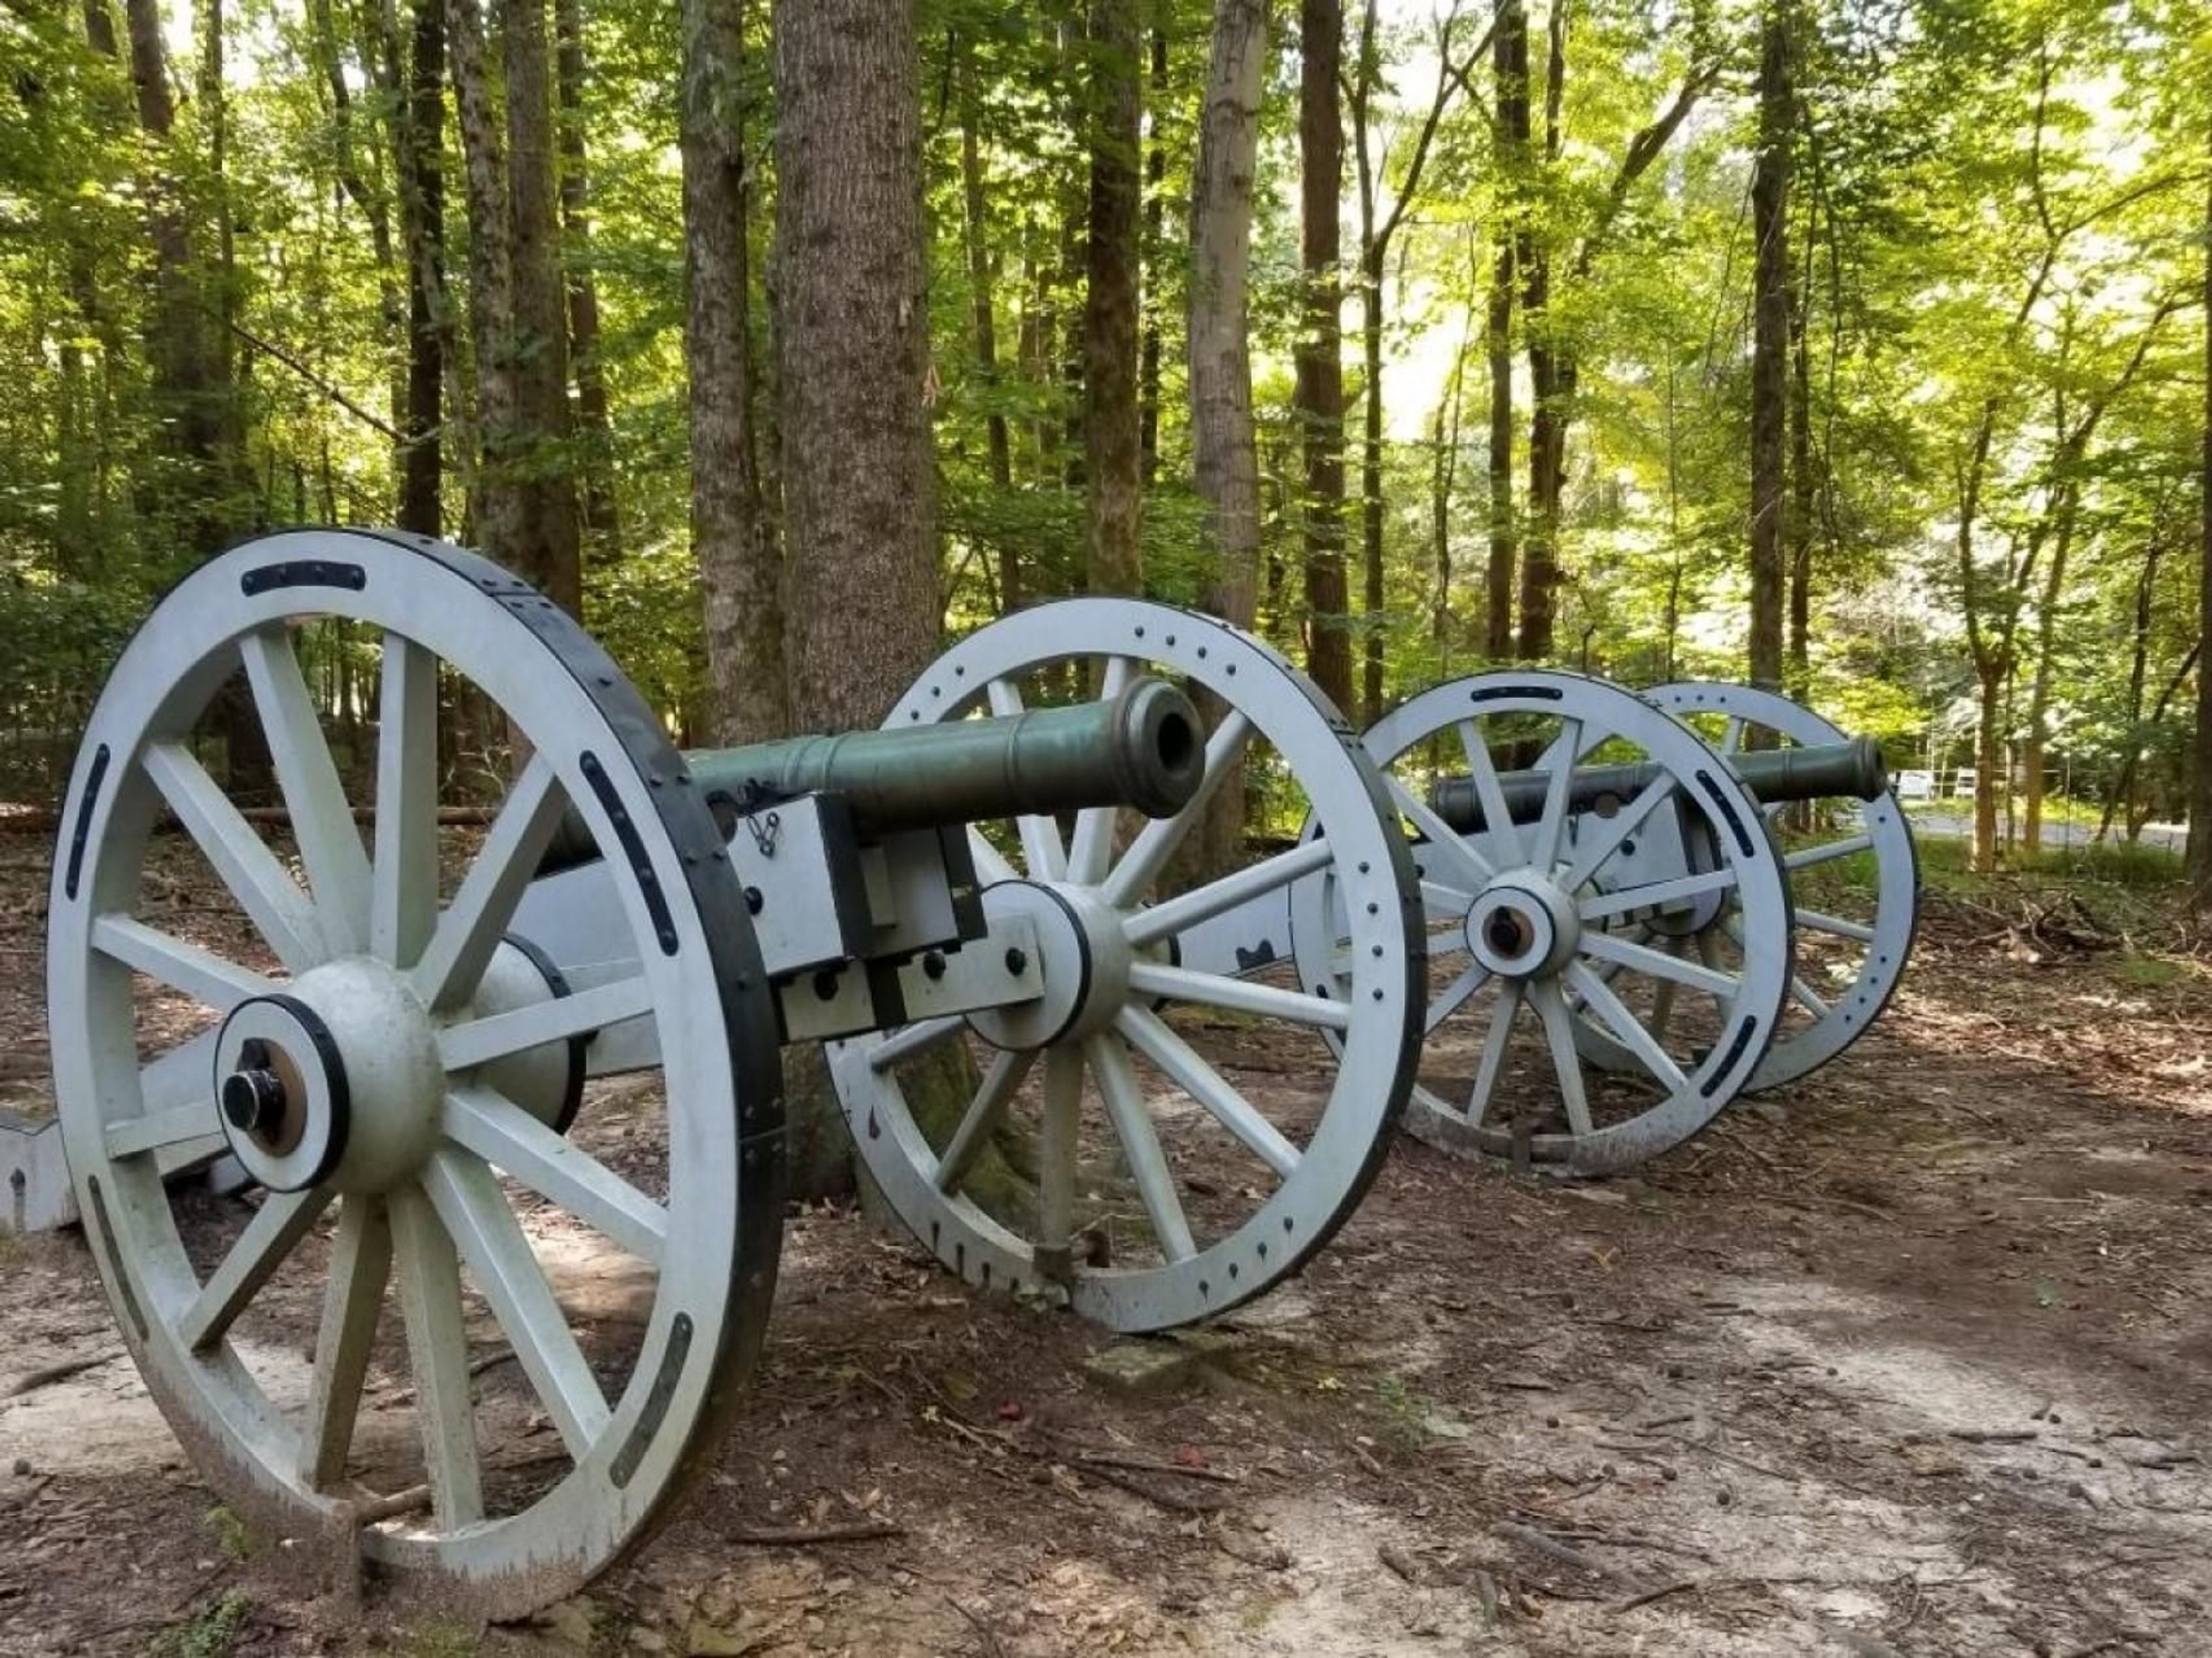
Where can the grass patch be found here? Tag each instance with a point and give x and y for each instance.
(232, 1539)
(213, 1632)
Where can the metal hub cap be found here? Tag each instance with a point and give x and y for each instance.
(1521, 925)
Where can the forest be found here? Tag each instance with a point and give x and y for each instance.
(1854, 350)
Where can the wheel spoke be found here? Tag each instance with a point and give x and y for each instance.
(917, 1038)
(1179, 984)
(470, 930)
(1447, 842)
(1091, 848)
(1203, 904)
(1806, 999)
(1151, 1036)
(1155, 844)
(479, 1042)
(1609, 1008)
(133, 1136)
(353, 1297)
(282, 1221)
(1041, 845)
(1607, 834)
(990, 865)
(1566, 1063)
(1057, 1148)
(1494, 1042)
(509, 1138)
(1550, 829)
(491, 1241)
(1000, 1079)
(283, 915)
(1454, 995)
(1446, 901)
(166, 959)
(1655, 894)
(437, 1354)
(1140, 1144)
(1827, 853)
(1658, 964)
(1835, 924)
(402, 910)
(1732, 734)
(1497, 816)
(322, 821)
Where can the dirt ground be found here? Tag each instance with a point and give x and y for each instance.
(1914, 1358)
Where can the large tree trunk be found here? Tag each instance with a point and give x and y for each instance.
(550, 545)
(1113, 464)
(1769, 358)
(602, 518)
(1319, 392)
(498, 507)
(852, 335)
(740, 576)
(2200, 790)
(1223, 439)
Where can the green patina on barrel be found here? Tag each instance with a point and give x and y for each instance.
(1853, 770)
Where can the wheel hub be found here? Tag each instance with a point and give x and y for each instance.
(335, 1079)
(1084, 957)
(1522, 925)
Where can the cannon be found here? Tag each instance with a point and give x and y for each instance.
(447, 1072)
(1627, 895)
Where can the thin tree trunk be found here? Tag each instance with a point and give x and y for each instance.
(2046, 645)
(983, 305)
(2200, 792)
(1498, 576)
(2138, 671)
(1804, 484)
(1222, 438)
(499, 505)
(1770, 209)
(551, 541)
(1113, 468)
(420, 125)
(740, 575)
(1318, 395)
(1156, 173)
(602, 514)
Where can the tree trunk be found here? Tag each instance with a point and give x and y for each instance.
(1223, 439)
(1770, 211)
(499, 507)
(2046, 646)
(1113, 464)
(602, 517)
(420, 164)
(1989, 761)
(1804, 484)
(852, 333)
(551, 538)
(1156, 174)
(1318, 395)
(1499, 577)
(2200, 790)
(740, 577)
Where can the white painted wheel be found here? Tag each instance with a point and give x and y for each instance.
(1856, 880)
(380, 1058)
(1533, 923)
(1179, 1171)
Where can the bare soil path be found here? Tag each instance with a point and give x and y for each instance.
(1915, 1358)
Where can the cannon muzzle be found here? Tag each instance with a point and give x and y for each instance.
(1814, 772)
(1143, 749)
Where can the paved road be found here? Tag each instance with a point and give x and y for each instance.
(1959, 826)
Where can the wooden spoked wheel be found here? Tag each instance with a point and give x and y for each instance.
(1129, 1143)
(395, 1073)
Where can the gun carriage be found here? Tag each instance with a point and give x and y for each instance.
(1032, 988)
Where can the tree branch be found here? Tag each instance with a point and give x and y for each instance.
(1644, 149)
(277, 353)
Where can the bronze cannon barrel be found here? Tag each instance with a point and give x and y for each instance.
(1143, 749)
(1819, 771)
